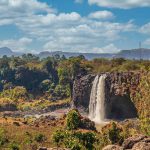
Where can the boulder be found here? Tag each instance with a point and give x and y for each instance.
(8, 107)
(112, 147)
(130, 142)
(139, 142)
(141, 146)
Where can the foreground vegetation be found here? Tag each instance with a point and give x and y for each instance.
(72, 131)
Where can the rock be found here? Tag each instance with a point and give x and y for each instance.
(82, 90)
(8, 107)
(86, 123)
(141, 146)
(118, 104)
(42, 148)
(16, 123)
(130, 142)
(139, 142)
(112, 147)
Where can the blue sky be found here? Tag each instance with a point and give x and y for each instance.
(98, 26)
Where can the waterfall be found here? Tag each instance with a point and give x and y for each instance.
(97, 99)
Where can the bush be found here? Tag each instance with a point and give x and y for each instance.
(46, 85)
(73, 120)
(114, 134)
(15, 94)
(145, 125)
(86, 139)
(72, 143)
(58, 137)
(62, 91)
(40, 138)
(74, 140)
(3, 138)
(14, 146)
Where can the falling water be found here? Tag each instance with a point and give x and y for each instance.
(97, 98)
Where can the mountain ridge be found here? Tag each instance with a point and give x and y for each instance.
(142, 53)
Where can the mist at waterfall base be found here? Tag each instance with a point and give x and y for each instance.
(97, 99)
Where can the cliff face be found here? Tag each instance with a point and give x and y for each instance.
(82, 90)
(118, 86)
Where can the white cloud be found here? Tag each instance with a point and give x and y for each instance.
(101, 15)
(147, 42)
(10, 10)
(125, 4)
(79, 1)
(60, 31)
(111, 48)
(145, 28)
(17, 45)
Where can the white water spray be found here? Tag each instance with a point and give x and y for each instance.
(97, 99)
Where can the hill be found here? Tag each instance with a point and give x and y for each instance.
(8, 52)
(128, 54)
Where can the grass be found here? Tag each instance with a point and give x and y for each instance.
(41, 104)
(24, 135)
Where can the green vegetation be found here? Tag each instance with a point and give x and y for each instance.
(114, 134)
(73, 120)
(28, 79)
(28, 82)
(142, 101)
(72, 137)
(76, 140)
(14, 146)
(3, 138)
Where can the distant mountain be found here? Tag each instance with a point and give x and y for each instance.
(128, 54)
(134, 54)
(8, 52)
(70, 54)
(5, 51)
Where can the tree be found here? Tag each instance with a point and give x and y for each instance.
(73, 119)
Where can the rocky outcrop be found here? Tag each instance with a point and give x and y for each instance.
(8, 107)
(82, 90)
(139, 142)
(44, 148)
(132, 142)
(118, 87)
(113, 147)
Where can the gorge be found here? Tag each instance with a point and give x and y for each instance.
(106, 96)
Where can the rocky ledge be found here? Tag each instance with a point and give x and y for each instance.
(139, 142)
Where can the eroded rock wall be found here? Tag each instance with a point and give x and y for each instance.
(118, 104)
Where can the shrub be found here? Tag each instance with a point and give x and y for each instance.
(86, 139)
(3, 138)
(15, 94)
(74, 140)
(46, 85)
(145, 125)
(114, 134)
(58, 137)
(72, 143)
(14, 146)
(40, 138)
(73, 120)
(62, 91)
